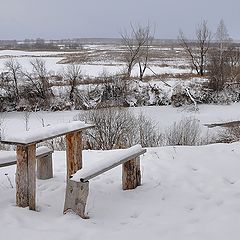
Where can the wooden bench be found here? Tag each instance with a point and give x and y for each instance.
(43, 157)
(78, 185)
(26, 155)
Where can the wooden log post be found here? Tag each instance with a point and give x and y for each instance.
(32, 176)
(26, 176)
(131, 174)
(22, 176)
(76, 197)
(44, 167)
(74, 152)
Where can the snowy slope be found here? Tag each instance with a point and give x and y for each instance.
(188, 193)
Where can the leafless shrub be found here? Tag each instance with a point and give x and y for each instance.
(228, 135)
(118, 128)
(111, 128)
(149, 134)
(185, 132)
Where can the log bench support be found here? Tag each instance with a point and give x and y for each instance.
(26, 176)
(77, 191)
(73, 152)
(76, 197)
(44, 166)
(131, 174)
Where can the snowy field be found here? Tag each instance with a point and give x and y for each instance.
(164, 116)
(189, 193)
(93, 69)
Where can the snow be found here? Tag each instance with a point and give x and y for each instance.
(113, 158)
(44, 133)
(94, 69)
(163, 116)
(10, 156)
(187, 193)
(19, 53)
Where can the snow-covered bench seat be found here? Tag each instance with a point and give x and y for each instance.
(78, 185)
(44, 161)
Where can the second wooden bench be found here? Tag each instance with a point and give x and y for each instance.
(78, 185)
(43, 157)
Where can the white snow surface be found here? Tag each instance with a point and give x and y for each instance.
(39, 134)
(112, 157)
(164, 116)
(53, 58)
(11, 156)
(187, 193)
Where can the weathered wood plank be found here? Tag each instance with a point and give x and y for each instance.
(42, 139)
(22, 199)
(32, 176)
(73, 152)
(113, 165)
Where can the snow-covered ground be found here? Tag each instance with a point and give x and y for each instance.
(189, 193)
(94, 69)
(164, 116)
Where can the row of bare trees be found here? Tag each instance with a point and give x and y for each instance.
(213, 55)
(34, 88)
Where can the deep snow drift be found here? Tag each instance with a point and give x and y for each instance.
(187, 193)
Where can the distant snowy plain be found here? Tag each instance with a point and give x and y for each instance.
(94, 69)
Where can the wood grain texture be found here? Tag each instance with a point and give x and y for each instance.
(73, 152)
(44, 167)
(131, 174)
(32, 176)
(22, 199)
(76, 197)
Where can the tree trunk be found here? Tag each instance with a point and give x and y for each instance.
(74, 152)
(131, 174)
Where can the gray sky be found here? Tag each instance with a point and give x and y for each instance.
(55, 19)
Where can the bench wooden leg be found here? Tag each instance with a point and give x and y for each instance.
(131, 174)
(26, 176)
(74, 152)
(44, 167)
(76, 197)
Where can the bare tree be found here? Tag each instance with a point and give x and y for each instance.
(144, 54)
(73, 75)
(224, 60)
(197, 50)
(137, 45)
(222, 37)
(38, 80)
(14, 73)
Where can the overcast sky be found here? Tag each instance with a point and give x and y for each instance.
(56, 19)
